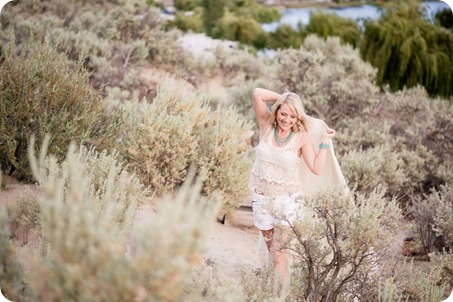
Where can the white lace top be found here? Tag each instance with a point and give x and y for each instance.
(276, 169)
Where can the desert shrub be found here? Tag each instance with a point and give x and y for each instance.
(75, 44)
(85, 252)
(443, 219)
(262, 285)
(41, 93)
(417, 286)
(178, 130)
(210, 284)
(339, 244)
(432, 219)
(368, 168)
(11, 271)
(164, 142)
(233, 62)
(442, 272)
(423, 212)
(24, 216)
(361, 134)
(108, 180)
(224, 158)
(331, 78)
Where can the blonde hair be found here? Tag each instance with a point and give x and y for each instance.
(295, 104)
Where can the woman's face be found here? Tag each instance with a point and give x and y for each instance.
(286, 118)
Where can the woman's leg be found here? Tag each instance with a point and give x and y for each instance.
(280, 254)
(268, 236)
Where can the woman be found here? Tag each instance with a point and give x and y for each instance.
(285, 140)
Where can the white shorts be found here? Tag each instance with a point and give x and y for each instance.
(280, 210)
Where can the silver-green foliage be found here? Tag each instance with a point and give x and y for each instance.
(331, 78)
(11, 271)
(339, 243)
(211, 284)
(40, 92)
(433, 218)
(24, 216)
(443, 219)
(178, 130)
(223, 158)
(369, 168)
(86, 256)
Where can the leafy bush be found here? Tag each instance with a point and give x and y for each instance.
(244, 29)
(82, 236)
(41, 93)
(192, 22)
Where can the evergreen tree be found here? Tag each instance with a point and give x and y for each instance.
(408, 50)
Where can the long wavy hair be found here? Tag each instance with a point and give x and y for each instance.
(295, 104)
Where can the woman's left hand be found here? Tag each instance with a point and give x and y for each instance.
(329, 134)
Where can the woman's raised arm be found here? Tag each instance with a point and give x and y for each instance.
(260, 97)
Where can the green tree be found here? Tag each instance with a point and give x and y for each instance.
(285, 36)
(445, 19)
(409, 50)
(324, 25)
(213, 10)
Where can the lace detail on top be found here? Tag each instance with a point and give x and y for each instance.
(276, 169)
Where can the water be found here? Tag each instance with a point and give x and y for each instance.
(359, 13)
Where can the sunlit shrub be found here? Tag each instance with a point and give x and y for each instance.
(11, 271)
(339, 244)
(41, 93)
(161, 147)
(331, 78)
(369, 168)
(211, 284)
(443, 219)
(224, 158)
(443, 269)
(24, 216)
(85, 250)
(179, 130)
